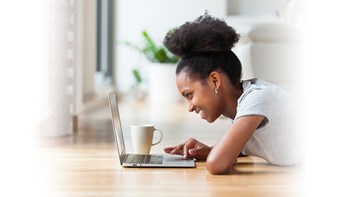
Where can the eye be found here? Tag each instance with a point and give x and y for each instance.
(188, 95)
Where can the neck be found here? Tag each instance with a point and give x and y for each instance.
(231, 97)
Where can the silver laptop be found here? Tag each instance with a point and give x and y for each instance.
(136, 160)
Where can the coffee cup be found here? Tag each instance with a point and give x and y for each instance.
(142, 138)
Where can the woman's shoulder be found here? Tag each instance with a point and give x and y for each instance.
(258, 89)
(262, 85)
(257, 83)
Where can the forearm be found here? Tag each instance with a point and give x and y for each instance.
(224, 154)
(220, 161)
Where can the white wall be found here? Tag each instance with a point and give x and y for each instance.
(157, 17)
(254, 7)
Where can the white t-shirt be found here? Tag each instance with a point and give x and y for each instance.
(276, 138)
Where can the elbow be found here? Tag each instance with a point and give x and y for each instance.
(218, 166)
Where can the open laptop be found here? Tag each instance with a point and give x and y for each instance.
(137, 160)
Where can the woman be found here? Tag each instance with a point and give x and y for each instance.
(209, 77)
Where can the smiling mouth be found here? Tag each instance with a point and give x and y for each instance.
(202, 113)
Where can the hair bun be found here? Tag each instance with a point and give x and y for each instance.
(205, 35)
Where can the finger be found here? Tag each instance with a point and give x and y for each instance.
(193, 151)
(169, 149)
(189, 145)
(178, 150)
(200, 153)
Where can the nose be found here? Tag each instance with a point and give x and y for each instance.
(191, 107)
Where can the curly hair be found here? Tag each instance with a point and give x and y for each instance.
(204, 45)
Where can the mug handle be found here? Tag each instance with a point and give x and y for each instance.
(159, 139)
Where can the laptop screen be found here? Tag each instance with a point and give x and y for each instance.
(119, 138)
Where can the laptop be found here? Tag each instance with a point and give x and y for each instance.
(138, 160)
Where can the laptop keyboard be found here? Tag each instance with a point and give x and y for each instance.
(145, 159)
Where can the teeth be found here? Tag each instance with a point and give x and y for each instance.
(201, 114)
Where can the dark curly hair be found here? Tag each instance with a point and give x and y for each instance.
(204, 45)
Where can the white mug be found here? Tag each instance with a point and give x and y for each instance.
(142, 138)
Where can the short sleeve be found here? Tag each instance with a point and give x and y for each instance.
(254, 102)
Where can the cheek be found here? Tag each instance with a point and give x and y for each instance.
(204, 98)
(203, 101)
(212, 107)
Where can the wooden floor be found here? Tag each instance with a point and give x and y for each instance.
(85, 163)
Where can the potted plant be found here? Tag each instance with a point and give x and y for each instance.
(154, 53)
(161, 70)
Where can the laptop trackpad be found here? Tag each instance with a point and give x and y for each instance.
(177, 159)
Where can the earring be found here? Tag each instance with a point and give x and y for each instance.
(215, 87)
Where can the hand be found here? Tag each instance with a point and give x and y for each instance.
(190, 149)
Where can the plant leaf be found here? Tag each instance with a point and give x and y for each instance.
(137, 76)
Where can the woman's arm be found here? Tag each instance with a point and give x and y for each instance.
(224, 154)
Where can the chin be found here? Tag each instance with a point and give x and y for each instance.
(211, 120)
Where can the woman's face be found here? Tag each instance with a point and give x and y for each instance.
(200, 95)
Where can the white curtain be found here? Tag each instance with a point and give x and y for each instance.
(62, 61)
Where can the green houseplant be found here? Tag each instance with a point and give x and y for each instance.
(153, 52)
(161, 67)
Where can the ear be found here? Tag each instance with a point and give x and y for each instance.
(215, 78)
